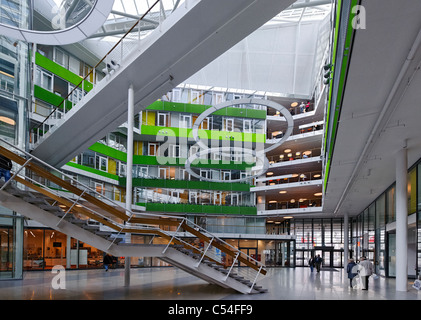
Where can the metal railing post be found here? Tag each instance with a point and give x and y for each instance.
(255, 279)
(169, 243)
(204, 253)
(233, 263)
(71, 207)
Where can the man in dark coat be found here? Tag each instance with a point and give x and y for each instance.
(5, 167)
(107, 261)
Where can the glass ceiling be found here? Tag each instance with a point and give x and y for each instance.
(126, 12)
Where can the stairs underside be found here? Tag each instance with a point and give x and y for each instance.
(39, 208)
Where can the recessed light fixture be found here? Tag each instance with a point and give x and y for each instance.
(272, 201)
(294, 104)
(270, 221)
(307, 153)
(7, 120)
(269, 173)
(292, 201)
(287, 150)
(288, 217)
(318, 194)
(317, 176)
(283, 192)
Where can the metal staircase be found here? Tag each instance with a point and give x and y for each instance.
(42, 193)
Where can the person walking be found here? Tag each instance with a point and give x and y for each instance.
(318, 262)
(107, 261)
(5, 167)
(365, 269)
(311, 263)
(352, 270)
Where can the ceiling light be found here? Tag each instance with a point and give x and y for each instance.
(269, 173)
(287, 150)
(281, 156)
(307, 153)
(318, 194)
(292, 201)
(297, 153)
(272, 201)
(282, 192)
(316, 176)
(277, 222)
(289, 154)
(270, 221)
(288, 217)
(294, 104)
(7, 120)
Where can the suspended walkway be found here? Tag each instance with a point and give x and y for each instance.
(42, 193)
(196, 33)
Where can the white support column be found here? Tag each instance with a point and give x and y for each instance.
(346, 240)
(129, 170)
(402, 220)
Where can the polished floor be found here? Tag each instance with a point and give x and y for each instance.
(173, 284)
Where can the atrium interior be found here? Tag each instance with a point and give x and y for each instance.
(212, 142)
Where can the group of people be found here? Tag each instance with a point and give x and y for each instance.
(315, 262)
(364, 269)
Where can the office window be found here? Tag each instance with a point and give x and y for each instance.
(218, 98)
(153, 149)
(163, 119)
(205, 125)
(195, 97)
(174, 151)
(185, 121)
(247, 126)
(44, 79)
(101, 163)
(176, 95)
(229, 124)
(61, 58)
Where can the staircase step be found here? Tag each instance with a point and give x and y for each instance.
(90, 226)
(34, 200)
(103, 233)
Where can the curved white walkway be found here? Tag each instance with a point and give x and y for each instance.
(79, 32)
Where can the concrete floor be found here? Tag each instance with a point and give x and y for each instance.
(174, 284)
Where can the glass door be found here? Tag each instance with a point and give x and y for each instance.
(250, 252)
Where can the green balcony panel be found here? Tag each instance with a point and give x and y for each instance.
(60, 71)
(198, 108)
(198, 209)
(186, 184)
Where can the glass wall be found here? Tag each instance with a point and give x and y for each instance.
(374, 233)
(319, 236)
(45, 248)
(10, 245)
